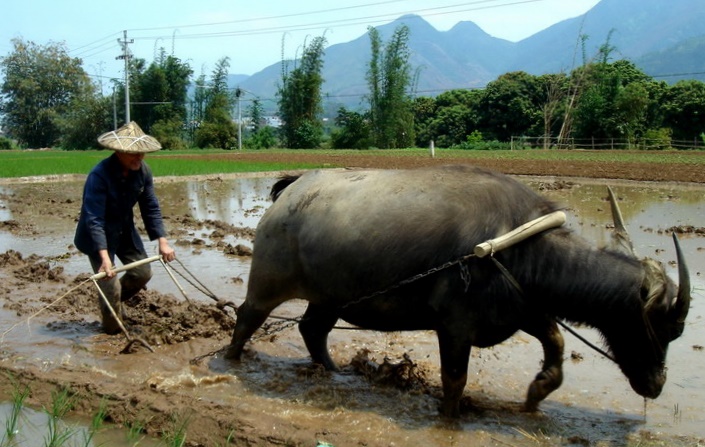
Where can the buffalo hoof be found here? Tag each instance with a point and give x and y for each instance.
(233, 353)
(530, 407)
(449, 410)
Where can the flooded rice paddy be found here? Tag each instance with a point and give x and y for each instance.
(275, 394)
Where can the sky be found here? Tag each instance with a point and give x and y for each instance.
(252, 34)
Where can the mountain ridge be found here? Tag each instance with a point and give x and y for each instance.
(655, 35)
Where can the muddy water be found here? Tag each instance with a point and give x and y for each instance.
(277, 386)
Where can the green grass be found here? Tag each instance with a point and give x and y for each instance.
(58, 162)
(202, 162)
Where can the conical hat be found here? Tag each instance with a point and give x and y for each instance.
(129, 138)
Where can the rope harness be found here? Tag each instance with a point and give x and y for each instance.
(286, 322)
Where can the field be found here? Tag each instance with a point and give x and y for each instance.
(681, 166)
(278, 388)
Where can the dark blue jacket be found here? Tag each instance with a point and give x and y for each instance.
(107, 211)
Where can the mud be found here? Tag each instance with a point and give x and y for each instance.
(388, 388)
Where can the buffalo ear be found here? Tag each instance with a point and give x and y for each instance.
(620, 235)
(654, 288)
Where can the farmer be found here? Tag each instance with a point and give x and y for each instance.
(106, 227)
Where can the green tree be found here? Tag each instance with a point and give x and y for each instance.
(353, 130)
(160, 94)
(684, 110)
(510, 106)
(553, 99)
(217, 128)
(300, 98)
(256, 114)
(41, 82)
(389, 79)
(453, 116)
(85, 119)
(614, 103)
(264, 138)
(424, 109)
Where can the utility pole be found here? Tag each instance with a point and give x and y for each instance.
(115, 126)
(238, 94)
(126, 57)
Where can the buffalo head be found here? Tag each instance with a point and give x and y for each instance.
(641, 350)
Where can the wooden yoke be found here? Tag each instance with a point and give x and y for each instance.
(553, 220)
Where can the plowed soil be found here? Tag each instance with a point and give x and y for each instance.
(29, 283)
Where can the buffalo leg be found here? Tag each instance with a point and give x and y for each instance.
(455, 356)
(551, 375)
(249, 319)
(315, 325)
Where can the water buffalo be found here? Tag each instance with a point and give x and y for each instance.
(334, 237)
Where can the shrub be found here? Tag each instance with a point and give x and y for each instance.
(657, 139)
(168, 133)
(473, 144)
(7, 144)
(263, 138)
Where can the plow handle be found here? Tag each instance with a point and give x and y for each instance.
(131, 265)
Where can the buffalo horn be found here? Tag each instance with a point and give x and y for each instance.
(683, 302)
(620, 231)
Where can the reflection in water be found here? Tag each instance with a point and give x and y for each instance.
(239, 202)
(592, 384)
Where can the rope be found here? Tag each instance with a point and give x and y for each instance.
(516, 285)
(198, 285)
(2, 336)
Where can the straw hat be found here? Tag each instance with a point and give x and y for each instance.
(129, 138)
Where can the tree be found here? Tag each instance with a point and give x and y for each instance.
(389, 78)
(217, 128)
(256, 115)
(40, 84)
(614, 103)
(555, 92)
(300, 98)
(684, 109)
(160, 94)
(511, 105)
(448, 121)
(85, 119)
(353, 130)
(424, 109)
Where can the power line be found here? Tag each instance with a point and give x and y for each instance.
(283, 16)
(678, 74)
(427, 12)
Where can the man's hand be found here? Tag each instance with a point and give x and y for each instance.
(168, 253)
(106, 265)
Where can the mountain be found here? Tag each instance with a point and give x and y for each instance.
(633, 28)
(660, 37)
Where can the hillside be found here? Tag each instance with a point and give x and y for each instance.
(662, 38)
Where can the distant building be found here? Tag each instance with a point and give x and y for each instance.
(273, 121)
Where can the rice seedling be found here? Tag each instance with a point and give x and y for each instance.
(58, 433)
(135, 430)
(19, 395)
(228, 440)
(176, 436)
(96, 424)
